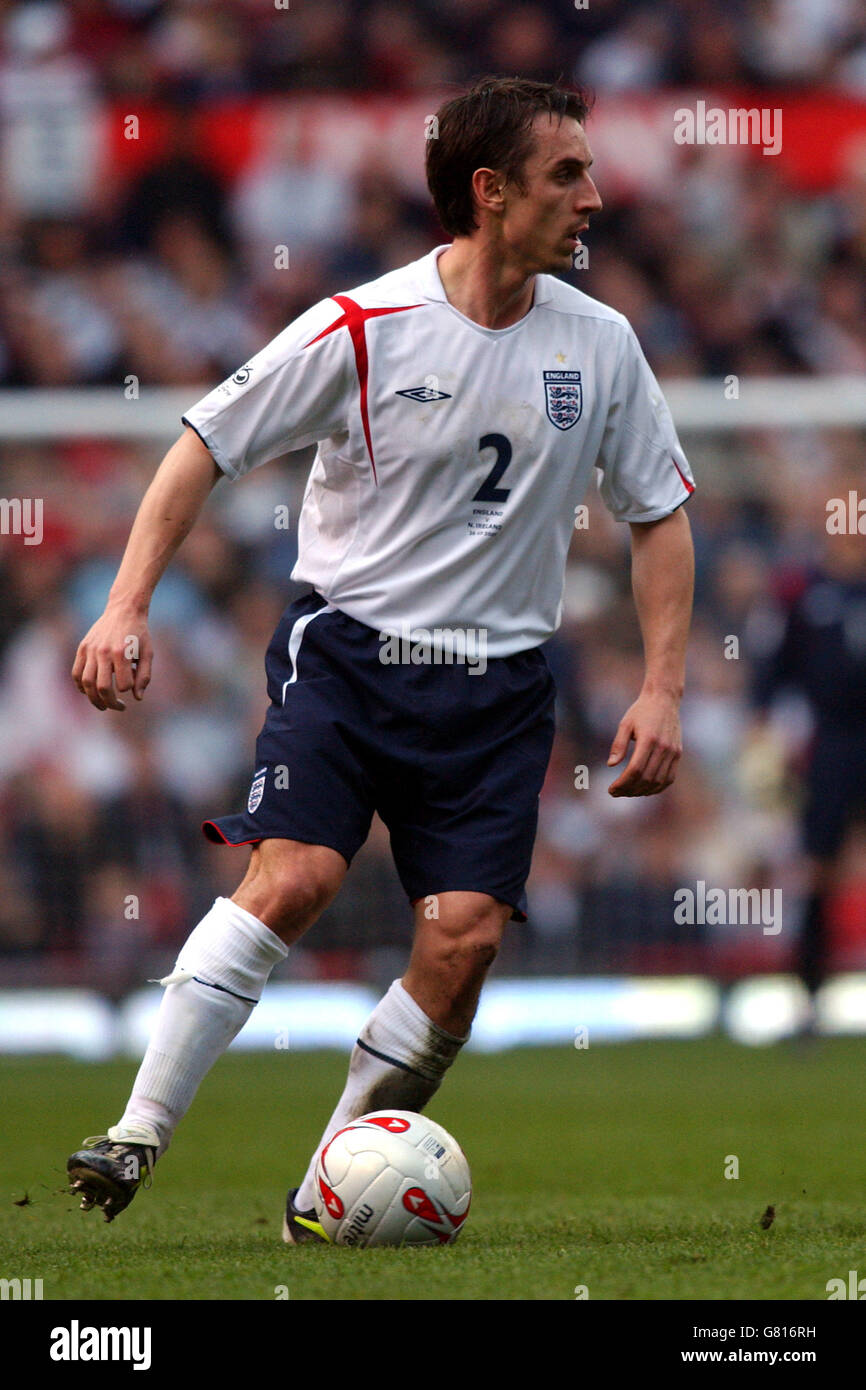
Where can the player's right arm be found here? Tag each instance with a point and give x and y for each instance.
(294, 392)
(117, 653)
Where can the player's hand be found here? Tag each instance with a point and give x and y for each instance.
(653, 722)
(114, 657)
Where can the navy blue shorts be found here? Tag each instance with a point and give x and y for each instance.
(452, 761)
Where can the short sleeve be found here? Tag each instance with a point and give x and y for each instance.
(293, 392)
(644, 474)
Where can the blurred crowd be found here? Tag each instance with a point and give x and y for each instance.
(169, 273)
(207, 49)
(171, 277)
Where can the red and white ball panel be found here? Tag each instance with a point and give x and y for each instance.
(392, 1178)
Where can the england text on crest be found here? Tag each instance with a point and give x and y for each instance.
(563, 398)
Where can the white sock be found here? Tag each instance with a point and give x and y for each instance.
(220, 973)
(397, 1063)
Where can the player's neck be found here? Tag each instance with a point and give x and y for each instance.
(480, 283)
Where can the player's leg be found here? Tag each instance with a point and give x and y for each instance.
(222, 970)
(457, 937)
(308, 812)
(812, 946)
(833, 782)
(462, 809)
(218, 979)
(416, 1031)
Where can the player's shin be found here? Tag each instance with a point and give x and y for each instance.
(219, 977)
(398, 1062)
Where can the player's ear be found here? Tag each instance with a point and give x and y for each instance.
(488, 185)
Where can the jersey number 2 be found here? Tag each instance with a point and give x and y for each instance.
(488, 491)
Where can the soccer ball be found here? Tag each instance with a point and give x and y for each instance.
(392, 1178)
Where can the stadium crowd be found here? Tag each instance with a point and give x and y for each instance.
(728, 270)
(205, 49)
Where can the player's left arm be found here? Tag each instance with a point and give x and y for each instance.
(663, 569)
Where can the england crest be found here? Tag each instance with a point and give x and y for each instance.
(257, 791)
(563, 398)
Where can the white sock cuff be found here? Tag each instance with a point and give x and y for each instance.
(232, 948)
(398, 1031)
(404, 1001)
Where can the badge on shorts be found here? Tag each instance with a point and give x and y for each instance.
(257, 791)
(564, 398)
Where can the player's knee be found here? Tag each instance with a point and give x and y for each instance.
(297, 903)
(287, 908)
(478, 951)
(288, 886)
(472, 939)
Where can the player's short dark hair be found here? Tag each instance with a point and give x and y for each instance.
(489, 127)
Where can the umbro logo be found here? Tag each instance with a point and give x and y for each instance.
(240, 378)
(424, 393)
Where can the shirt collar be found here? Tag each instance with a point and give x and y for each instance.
(432, 287)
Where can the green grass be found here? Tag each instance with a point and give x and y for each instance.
(602, 1167)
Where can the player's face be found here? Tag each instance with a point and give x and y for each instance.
(542, 226)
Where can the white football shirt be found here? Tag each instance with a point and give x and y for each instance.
(451, 457)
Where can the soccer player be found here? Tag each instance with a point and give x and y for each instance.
(460, 405)
(812, 639)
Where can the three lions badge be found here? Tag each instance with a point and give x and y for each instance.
(257, 791)
(563, 398)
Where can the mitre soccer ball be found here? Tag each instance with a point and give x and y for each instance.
(392, 1178)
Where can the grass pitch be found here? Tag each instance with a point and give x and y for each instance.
(602, 1168)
